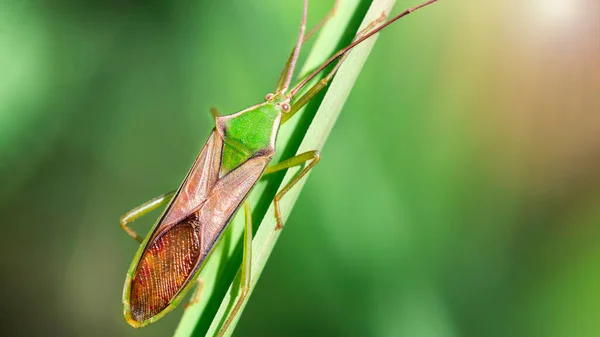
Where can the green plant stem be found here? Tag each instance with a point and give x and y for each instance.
(302, 133)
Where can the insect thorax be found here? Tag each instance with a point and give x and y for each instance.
(248, 134)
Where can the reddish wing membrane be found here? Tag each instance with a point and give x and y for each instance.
(203, 206)
(189, 229)
(165, 266)
(175, 248)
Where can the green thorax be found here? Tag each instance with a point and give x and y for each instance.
(248, 133)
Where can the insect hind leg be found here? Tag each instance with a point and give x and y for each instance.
(245, 270)
(142, 210)
(197, 293)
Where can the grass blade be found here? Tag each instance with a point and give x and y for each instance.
(302, 133)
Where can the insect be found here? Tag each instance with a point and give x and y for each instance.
(233, 159)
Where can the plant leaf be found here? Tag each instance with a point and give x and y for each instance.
(305, 132)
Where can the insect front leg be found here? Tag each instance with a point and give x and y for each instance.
(300, 159)
(323, 21)
(142, 210)
(214, 111)
(315, 89)
(245, 270)
(282, 78)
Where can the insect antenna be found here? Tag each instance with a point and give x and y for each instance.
(343, 51)
(288, 70)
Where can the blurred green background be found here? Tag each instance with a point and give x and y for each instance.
(458, 194)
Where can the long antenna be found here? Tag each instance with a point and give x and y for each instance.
(354, 44)
(290, 73)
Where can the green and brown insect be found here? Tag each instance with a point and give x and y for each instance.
(235, 156)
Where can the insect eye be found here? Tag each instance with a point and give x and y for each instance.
(285, 107)
(269, 97)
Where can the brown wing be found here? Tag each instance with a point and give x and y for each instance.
(163, 269)
(198, 183)
(173, 255)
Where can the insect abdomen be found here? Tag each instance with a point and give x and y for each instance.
(164, 268)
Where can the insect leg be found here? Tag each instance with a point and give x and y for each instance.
(291, 162)
(197, 293)
(214, 111)
(245, 270)
(142, 210)
(323, 21)
(315, 89)
(372, 25)
(311, 33)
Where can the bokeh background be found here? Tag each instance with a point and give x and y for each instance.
(458, 194)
